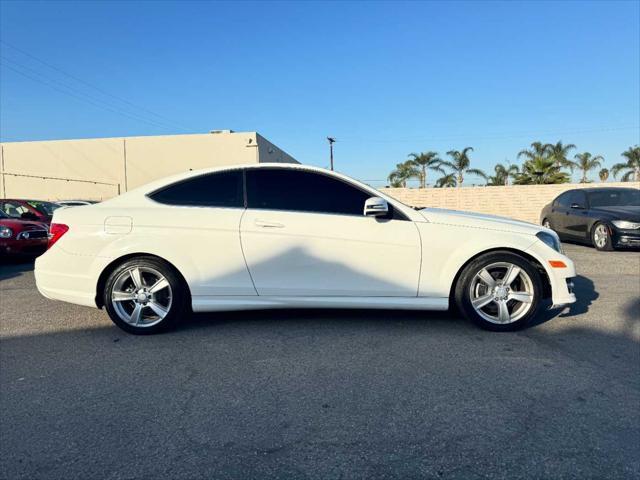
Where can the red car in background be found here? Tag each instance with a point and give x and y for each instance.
(21, 238)
(36, 210)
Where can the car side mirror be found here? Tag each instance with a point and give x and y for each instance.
(376, 207)
(577, 206)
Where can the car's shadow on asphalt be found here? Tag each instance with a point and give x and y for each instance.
(586, 294)
(298, 316)
(584, 289)
(10, 267)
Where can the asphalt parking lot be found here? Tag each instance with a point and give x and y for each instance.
(324, 394)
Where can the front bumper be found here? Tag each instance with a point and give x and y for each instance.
(626, 238)
(560, 279)
(23, 247)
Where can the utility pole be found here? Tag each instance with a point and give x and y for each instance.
(331, 142)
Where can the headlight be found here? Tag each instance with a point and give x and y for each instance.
(552, 240)
(624, 224)
(5, 232)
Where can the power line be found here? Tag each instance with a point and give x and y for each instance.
(49, 84)
(80, 96)
(90, 85)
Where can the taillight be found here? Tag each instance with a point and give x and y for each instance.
(56, 231)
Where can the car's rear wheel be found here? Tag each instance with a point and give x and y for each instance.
(499, 291)
(547, 224)
(601, 237)
(145, 295)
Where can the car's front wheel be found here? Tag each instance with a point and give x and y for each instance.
(145, 295)
(499, 291)
(601, 237)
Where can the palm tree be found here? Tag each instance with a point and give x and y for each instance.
(448, 180)
(460, 164)
(540, 170)
(585, 163)
(538, 149)
(560, 152)
(426, 161)
(404, 171)
(603, 174)
(502, 174)
(631, 167)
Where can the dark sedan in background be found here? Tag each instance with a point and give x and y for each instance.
(606, 218)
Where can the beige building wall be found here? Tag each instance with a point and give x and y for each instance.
(268, 152)
(150, 158)
(522, 202)
(104, 167)
(42, 170)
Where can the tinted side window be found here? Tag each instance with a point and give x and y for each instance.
(563, 200)
(222, 189)
(283, 189)
(577, 198)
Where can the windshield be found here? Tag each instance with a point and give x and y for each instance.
(45, 207)
(615, 198)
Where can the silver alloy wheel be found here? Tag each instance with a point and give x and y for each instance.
(141, 296)
(546, 223)
(600, 235)
(501, 293)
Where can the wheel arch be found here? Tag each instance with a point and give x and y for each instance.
(546, 282)
(106, 271)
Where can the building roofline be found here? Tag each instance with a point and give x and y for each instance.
(219, 133)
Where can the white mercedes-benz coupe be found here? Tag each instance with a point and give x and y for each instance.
(282, 235)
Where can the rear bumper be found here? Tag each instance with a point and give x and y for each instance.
(58, 277)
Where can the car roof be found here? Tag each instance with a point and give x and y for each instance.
(150, 187)
(597, 189)
(144, 190)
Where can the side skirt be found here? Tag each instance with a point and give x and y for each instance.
(230, 303)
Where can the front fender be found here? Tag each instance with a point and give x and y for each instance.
(446, 248)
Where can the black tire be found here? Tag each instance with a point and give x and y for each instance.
(464, 285)
(177, 308)
(607, 246)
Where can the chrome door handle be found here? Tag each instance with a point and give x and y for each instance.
(264, 224)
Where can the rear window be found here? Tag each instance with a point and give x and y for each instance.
(222, 189)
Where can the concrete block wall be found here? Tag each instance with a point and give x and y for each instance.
(522, 202)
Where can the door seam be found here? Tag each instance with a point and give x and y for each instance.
(246, 264)
(421, 253)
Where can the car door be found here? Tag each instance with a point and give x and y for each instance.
(558, 214)
(304, 234)
(577, 216)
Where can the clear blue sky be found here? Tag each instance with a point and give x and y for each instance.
(385, 79)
